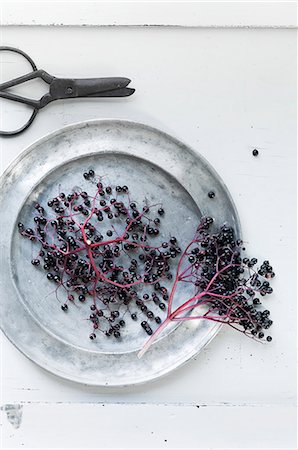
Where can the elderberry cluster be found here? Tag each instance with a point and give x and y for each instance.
(101, 249)
(230, 283)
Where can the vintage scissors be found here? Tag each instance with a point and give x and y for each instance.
(61, 88)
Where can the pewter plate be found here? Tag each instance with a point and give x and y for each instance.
(155, 166)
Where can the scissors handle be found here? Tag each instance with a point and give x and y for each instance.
(21, 129)
(20, 52)
(35, 111)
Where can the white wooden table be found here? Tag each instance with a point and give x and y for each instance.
(221, 78)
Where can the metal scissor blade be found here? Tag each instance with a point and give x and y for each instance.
(125, 92)
(90, 86)
(72, 88)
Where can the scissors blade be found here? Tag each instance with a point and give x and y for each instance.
(124, 92)
(72, 88)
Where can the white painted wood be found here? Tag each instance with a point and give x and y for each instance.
(224, 92)
(170, 13)
(103, 426)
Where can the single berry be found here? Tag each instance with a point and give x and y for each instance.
(35, 262)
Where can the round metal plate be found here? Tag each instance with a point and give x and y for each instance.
(155, 166)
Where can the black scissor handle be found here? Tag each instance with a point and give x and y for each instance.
(17, 50)
(35, 110)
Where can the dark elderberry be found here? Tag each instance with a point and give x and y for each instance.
(64, 307)
(147, 327)
(211, 194)
(161, 211)
(35, 262)
(82, 298)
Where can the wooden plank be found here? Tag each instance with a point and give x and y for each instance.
(163, 13)
(104, 426)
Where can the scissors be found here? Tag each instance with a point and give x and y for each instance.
(61, 88)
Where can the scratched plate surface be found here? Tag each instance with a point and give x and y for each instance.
(155, 166)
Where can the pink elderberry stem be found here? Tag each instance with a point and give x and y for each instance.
(169, 318)
(150, 341)
(213, 319)
(177, 278)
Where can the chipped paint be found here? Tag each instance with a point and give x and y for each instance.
(14, 414)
